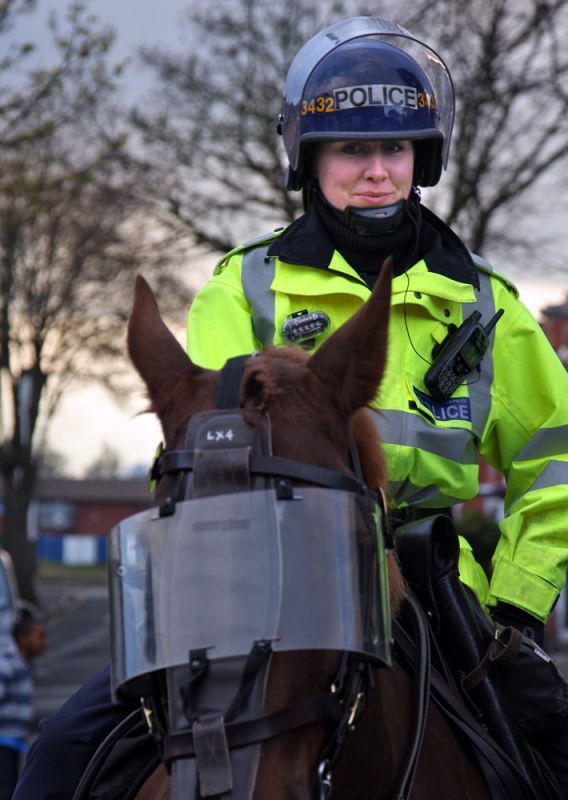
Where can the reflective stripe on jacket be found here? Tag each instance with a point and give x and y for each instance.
(514, 413)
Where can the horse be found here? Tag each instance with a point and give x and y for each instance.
(316, 405)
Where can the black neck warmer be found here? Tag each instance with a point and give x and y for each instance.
(367, 253)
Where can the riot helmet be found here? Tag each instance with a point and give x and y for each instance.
(367, 78)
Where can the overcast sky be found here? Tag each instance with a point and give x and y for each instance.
(136, 21)
(89, 418)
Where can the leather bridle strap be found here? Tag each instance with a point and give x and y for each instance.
(267, 726)
(422, 683)
(500, 772)
(172, 461)
(229, 382)
(125, 728)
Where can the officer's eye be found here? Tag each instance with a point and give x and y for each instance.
(353, 148)
(395, 146)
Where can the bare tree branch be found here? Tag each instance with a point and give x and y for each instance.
(209, 131)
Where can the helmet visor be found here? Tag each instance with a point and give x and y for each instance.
(362, 108)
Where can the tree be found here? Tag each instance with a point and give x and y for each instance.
(105, 466)
(14, 101)
(71, 236)
(78, 45)
(211, 133)
(510, 67)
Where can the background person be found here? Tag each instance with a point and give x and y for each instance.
(16, 696)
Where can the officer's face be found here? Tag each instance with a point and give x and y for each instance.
(365, 173)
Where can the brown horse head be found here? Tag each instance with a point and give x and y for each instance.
(316, 404)
(315, 399)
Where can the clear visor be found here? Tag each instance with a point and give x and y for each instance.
(329, 38)
(224, 572)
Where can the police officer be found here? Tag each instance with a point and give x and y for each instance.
(366, 120)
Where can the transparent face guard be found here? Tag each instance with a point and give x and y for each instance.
(331, 37)
(224, 572)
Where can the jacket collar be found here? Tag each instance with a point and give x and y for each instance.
(306, 242)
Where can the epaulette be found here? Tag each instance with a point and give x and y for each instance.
(483, 265)
(248, 245)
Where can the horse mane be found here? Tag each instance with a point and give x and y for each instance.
(370, 452)
(374, 470)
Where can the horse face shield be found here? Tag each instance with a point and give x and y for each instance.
(240, 562)
(244, 560)
(227, 571)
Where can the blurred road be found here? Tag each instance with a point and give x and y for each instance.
(78, 640)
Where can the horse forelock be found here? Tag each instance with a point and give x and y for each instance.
(305, 423)
(268, 376)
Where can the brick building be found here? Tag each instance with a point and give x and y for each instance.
(70, 519)
(555, 325)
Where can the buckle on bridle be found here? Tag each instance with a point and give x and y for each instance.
(324, 779)
(355, 711)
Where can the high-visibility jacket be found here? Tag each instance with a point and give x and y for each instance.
(514, 413)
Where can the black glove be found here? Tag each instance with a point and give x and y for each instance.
(537, 691)
(511, 616)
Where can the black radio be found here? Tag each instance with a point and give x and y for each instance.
(459, 354)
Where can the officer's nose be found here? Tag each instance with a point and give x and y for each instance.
(375, 168)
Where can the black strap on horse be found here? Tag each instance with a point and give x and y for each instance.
(422, 684)
(175, 461)
(267, 726)
(501, 773)
(120, 776)
(229, 382)
(261, 464)
(428, 551)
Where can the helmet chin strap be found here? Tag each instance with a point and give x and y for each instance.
(377, 220)
(374, 220)
(368, 221)
(371, 220)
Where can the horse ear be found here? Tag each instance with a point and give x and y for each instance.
(352, 361)
(158, 357)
